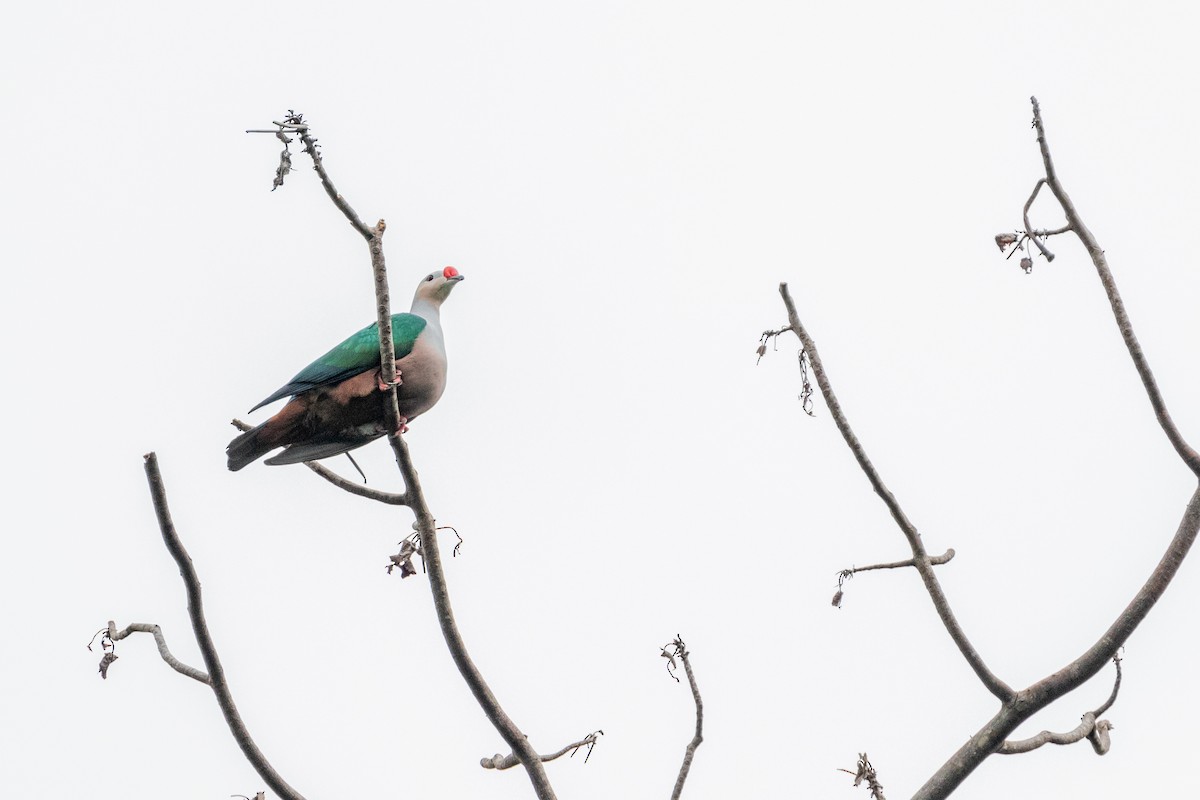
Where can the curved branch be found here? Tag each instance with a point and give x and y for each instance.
(208, 650)
(1185, 451)
(509, 761)
(921, 559)
(1112, 698)
(175, 664)
(1081, 731)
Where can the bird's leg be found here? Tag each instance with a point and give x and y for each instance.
(384, 385)
(403, 426)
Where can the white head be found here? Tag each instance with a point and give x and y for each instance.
(435, 287)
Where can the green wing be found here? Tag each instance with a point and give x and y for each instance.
(358, 353)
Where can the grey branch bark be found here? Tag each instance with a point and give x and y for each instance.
(415, 500)
(921, 559)
(689, 752)
(208, 650)
(146, 627)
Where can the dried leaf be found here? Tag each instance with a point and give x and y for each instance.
(105, 663)
(1005, 240)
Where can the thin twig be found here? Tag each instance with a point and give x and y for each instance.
(208, 650)
(935, 561)
(115, 635)
(353, 487)
(1029, 231)
(680, 650)
(846, 574)
(509, 761)
(1112, 698)
(1185, 451)
(310, 147)
(921, 559)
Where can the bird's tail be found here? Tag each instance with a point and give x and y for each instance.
(249, 447)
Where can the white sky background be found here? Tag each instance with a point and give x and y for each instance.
(624, 185)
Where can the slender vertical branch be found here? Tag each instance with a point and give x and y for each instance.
(1185, 451)
(216, 674)
(415, 499)
(921, 558)
(690, 752)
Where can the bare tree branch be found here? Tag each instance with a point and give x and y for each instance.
(1033, 699)
(1020, 706)
(208, 650)
(1185, 451)
(115, 635)
(509, 761)
(677, 649)
(425, 524)
(921, 559)
(389, 498)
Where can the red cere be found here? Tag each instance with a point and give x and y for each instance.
(449, 272)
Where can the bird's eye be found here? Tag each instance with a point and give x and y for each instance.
(429, 277)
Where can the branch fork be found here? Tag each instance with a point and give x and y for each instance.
(1016, 707)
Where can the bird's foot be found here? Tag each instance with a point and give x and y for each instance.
(384, 385)
(403, 427)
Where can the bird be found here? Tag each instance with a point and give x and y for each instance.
(337, 401)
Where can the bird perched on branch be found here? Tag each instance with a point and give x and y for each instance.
(338, 402)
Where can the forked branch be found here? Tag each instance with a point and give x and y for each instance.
(990, 738)
(1089, 727)
(1140, 362)
(208, 650)
(921, 559)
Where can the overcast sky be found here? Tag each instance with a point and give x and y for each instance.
(624, 185)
